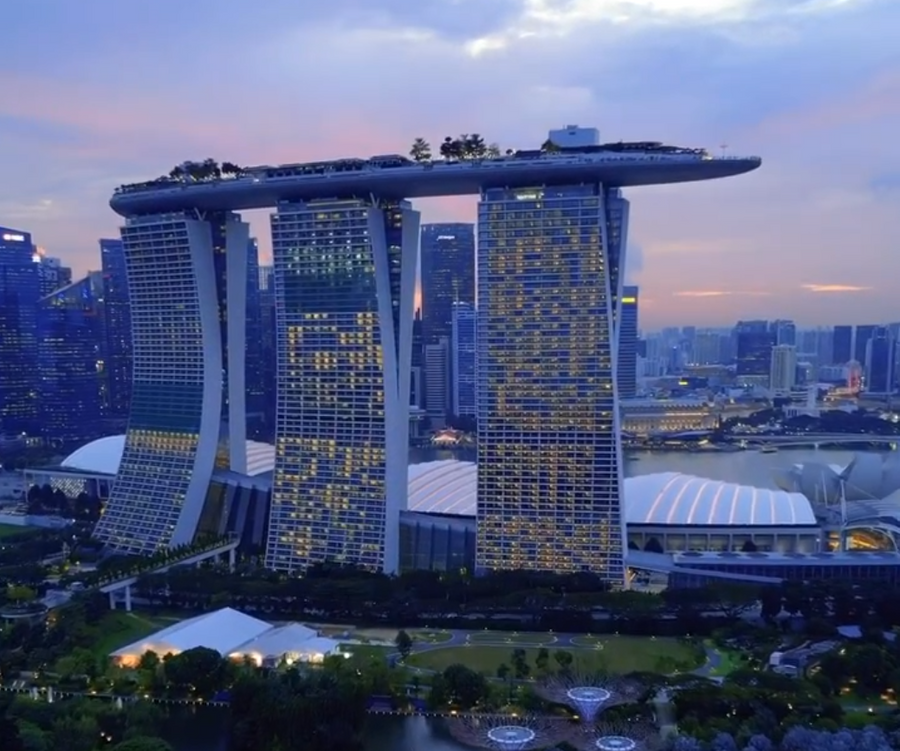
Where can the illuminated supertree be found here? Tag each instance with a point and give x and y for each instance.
(637, 735)
(588, 693)
(509, 732)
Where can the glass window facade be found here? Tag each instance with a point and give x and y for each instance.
(463, 357)
(20, 290)
(549, 460)
(179, 321)
(117, 317)
(344, 288)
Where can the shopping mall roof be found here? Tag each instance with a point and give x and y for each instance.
(104, 455)
(662, 499)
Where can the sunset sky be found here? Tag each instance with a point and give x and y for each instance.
(100, 92)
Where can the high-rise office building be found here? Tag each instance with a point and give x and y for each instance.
(755, 340)
(880, 359)
(187, 291)
(417, 375)
(53, 274)
(463, 356)
(437, 381)
(268, 348)
(861, 342)
(19, 295)
(255, 366)
(785, 332)
(345, 286)
(70, 367)
(549, 463)
(117, 354)
(783, 369)
(842, 345)
(448, 276)
(626, 367)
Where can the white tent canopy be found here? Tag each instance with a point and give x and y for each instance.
(233, 634)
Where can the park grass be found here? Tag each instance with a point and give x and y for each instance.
(505, 637)
(615, 654)
(119, 628)
(10, 530)
(368, 650)
(431, 637)
(730, 660)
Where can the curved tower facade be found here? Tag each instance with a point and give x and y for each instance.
(345, 275)
(549, 453)
(187, 287)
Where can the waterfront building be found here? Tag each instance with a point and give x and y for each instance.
(117, 354)
(755, 340)
(463, 356)
(187, 291)
(19, 295)
(549, 474)
(880, 362)
(52, 273)
(437, 381)
(345, 284)
(70, 343)
(861, 342)
(626, 366)
(842, 345)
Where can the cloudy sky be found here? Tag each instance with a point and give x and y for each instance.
(100, 92)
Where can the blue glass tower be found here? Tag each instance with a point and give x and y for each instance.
(69, 356)
(463, 357)
(20, 286)
(117, 355)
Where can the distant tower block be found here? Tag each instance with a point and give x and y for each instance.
(511, 737)
(588, 700)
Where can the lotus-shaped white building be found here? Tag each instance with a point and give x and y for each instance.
(863, 495)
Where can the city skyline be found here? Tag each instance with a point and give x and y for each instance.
(789, 238)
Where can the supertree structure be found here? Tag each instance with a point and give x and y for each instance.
(636, 735)
(509, 732)
(588, 693)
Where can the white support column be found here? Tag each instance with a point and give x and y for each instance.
(112, 600)
(231, 559)
(127, 598)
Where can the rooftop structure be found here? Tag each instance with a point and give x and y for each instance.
(395, 177)
(661, 499)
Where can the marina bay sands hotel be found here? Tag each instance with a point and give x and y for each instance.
(552, 235)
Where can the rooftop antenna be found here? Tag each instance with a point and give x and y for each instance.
(724, 147)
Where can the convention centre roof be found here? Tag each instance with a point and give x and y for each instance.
(104, 455)
(662, 499)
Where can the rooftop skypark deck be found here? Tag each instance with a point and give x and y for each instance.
(205, 186)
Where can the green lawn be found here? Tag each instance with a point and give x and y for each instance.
(431, 637)
(505, 637)
(368, 650)
(729, 660)
(617, 654)
(8, 530)
(119, 628)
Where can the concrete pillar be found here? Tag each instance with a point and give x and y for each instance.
(112, 600)
(231, 559)
(128, 598)
(199, 564)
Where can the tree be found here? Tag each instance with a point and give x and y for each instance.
(20, 595)
(520, 665)
(404, 643)
(149, 661)
(201, 668)
(542, 661)
(563, 659)
(464, 687)
(420, 151)
(493, 151)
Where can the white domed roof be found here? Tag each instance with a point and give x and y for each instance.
(104, 455)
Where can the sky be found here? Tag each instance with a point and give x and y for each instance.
(100, 92)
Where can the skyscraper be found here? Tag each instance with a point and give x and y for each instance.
(755, 340)
(448, 276)
(19, 295)
(345, 275)
(785, 332)
(783, 370)
(255, 366)
(842, 345)
(268, 347)
(880, 357)
(626, 367)
(549, 464)
(70, 345)
(437, 381)
(117, 355)
(861, 342)
(53, 274)
(188, 296)
(464, 327)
